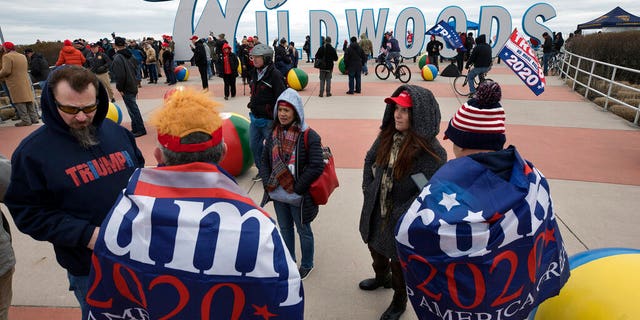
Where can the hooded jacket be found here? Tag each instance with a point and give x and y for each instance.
(309, 162)
(70, 55)
(232, 60)
(39, 67)
(60, 192)
(425, 121)
(481, 54)
(124, 72)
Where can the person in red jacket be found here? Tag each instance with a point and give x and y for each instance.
(70, 55)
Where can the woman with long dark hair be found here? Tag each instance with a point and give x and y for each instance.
(399, 163)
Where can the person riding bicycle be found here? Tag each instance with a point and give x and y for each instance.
(393, 49)
(481, 59)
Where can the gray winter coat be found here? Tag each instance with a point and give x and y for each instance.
(378, 232)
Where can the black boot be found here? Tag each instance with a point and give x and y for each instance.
(375, 283)
(396, 308)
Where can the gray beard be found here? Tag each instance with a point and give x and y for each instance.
(86, 136)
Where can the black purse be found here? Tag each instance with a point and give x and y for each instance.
(318, 63)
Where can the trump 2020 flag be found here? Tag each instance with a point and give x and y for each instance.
(185, 242)
(476, 246)
(518, 55)
(447, 33)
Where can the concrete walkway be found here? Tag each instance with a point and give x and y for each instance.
(590, 157)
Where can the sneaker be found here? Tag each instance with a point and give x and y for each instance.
(22, 124)
(328, 94)
(304, 272)
(257, 178)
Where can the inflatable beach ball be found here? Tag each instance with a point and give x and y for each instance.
(297, 79)
(423, 61)
(341, 66)
(429, 72)
(114, 113)
(168, 94)
(235, 132)
(603, 285)
(182, 73)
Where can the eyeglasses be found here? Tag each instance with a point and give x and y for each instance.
(76, 110)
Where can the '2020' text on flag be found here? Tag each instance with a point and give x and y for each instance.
(518, 55)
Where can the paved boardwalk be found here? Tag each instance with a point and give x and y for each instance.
(590, 157)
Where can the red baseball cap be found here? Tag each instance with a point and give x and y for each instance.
(9, 45)
(402, 100)
(193, 38)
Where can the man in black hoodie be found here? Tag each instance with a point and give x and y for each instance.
(38, 66)
(68, 173)
(125, 75)
(480, 59)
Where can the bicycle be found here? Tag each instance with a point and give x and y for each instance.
(555, 63)
(400, 71)
(460, 84)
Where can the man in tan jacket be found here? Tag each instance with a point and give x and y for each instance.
(15, 73)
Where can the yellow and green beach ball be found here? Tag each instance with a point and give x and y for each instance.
(429, 72)
(297, 79)
(114, 113)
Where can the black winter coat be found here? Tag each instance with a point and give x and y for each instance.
(354, 58)
(233, 61)
(39, 68)
(199, 54)
(309, 166)
(265, 92)
(328, 54)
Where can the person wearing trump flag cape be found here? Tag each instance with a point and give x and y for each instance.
(481, 241)
(184, 241)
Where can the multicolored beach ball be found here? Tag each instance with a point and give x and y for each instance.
(235, 132)
(297, 79)
(341, 66)
(171, 91)
(182, 73)
(423, 61)
(114, 113)
(429, 72)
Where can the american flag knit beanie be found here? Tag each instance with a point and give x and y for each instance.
(479, 123)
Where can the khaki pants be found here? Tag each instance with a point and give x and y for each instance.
(106, 81)
(26, 112)
(5, 294)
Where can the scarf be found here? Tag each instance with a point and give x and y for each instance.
(284, 144)
(386, 183)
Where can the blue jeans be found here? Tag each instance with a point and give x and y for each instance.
(137, 125)
(355, 76)
(391, 56)
(545, 62)
(153, 72)
(257, 135)
(80, 286)
(288, 215)
(474, 73)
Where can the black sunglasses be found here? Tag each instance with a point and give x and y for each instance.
(76, 110)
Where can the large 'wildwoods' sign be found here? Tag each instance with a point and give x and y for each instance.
(493, 20)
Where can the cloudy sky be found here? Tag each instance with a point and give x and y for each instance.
(23, 22)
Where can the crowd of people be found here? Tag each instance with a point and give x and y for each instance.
(66, 197)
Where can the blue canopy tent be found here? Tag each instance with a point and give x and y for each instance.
(617, 18)
(470, 25)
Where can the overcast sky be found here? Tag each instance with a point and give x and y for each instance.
(23, 22)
